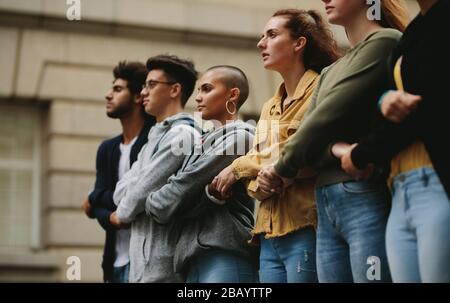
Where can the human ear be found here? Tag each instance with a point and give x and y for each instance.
(300, 44)
(175, 91)
(234, 94)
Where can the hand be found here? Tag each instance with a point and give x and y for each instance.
(87, 208)
(348, 166)
(223, 181)
(269, 181)
(340, 148)
(213, 192)
(115, 221)
(397, 105)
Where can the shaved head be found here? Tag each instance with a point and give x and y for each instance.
(233, 77)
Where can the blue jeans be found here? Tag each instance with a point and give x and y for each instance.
(352, 218)
(220, 266)
(290, 258)
(120, 274)
(418, 231)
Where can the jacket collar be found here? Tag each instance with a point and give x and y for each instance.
(304, 83)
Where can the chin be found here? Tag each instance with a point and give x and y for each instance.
(150, 111)
(266, 64)
(111, 114)
(332, 19)
(270, 66)
(273, 62)
(204, 115)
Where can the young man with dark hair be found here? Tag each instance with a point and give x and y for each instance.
(170, 82)
(114, 158)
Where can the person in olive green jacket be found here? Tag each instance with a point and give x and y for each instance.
(352, 214)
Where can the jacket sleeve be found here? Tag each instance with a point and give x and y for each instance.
(102, 216)
(101, 196)
(135, 189)
(383, 143)
(182, 192)
(328, 120)
(130, 176)
(248, 165)
(390, 138)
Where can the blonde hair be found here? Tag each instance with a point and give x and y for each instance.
(394, 14)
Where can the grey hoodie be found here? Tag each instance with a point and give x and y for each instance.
(151, 248)
(205, 224)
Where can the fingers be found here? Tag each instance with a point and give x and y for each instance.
(270, 175)
(339, 149)
(115, 221)
(223, 182)
(398, 105)
(213, 185)
(224, 185)
(348, 166)
(269, 184)
(87, 209)
(266, 186)
(411, 101)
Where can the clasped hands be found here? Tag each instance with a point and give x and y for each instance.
(395, 106)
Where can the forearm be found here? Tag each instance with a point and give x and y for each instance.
(102, 216)
(102, 198)
(183, 189)
(383, 143)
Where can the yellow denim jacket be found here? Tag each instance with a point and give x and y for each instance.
(295, 207)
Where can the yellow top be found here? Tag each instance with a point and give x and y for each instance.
(415, 155)
(295, 207)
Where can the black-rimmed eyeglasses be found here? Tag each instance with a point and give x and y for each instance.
(152, 83)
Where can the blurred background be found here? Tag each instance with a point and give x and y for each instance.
(53, 78)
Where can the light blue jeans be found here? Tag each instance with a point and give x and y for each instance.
(418, 231)
(290, 258)
(120, 274)
(352, 218)
(221, 266)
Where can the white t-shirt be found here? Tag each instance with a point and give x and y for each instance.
(123, 235)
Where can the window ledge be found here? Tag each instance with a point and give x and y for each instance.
(28, 260)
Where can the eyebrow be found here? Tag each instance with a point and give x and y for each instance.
(205, 85)
(269, 31)
(118, 86)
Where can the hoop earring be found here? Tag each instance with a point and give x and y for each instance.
(226, 106)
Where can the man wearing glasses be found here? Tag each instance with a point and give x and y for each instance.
(170, 82)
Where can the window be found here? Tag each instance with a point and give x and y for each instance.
(20, 144)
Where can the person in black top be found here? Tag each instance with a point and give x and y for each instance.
(114, 157)
(413, 137)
